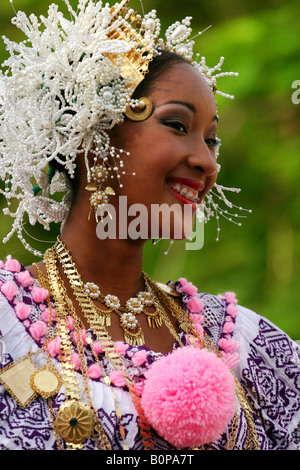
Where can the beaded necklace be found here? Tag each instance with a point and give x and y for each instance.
(60, 254)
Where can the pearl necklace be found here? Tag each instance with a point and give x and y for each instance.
(134, 306)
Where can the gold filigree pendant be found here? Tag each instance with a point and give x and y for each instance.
(74, 422)
(46, 382)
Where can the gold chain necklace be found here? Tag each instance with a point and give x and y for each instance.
(75, 421)
(104, 339)
(187, 325)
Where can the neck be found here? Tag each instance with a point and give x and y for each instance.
(114, 265)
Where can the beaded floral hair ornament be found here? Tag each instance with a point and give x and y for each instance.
(61, 91)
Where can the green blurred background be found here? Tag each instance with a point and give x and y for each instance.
(260, 154)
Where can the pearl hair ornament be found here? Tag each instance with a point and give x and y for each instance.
(61, 91)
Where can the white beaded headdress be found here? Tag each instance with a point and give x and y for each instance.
(64, 87)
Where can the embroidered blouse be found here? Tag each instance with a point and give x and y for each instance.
(264, 359)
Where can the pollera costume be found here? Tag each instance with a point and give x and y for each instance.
(264, 359)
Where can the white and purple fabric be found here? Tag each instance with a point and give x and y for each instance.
(264, 359)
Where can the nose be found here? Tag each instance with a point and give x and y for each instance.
(203, 159)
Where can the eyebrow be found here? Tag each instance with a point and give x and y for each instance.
(189, 106)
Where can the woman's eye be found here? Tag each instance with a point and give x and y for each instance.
(177, 125)
(214, 143)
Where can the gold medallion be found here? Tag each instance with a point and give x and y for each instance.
(45, 382)
(16, 379)
(74, 422)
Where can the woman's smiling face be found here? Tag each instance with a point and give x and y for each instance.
(173, 152)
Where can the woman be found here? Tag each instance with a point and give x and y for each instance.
(97, 355)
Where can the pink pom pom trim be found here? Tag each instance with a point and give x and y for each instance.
(75, 358)
(232, 309)
(94, 371)
(46, 314)
(139, 357)
(12, 265)
(121, 347)
(9, 289)
(97, 348)
(53, 346)
(39, 294)
(25, 278)
(228, 327)
(70, 323)
(230, 297)
(22, 311)
(195, 305)
(189, 288)
(38, 329)
(117, 378)
(189, 397)
(228, 344)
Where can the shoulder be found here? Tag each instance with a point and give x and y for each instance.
(215, 313)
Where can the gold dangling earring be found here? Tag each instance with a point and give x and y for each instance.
(99, 197)
(145, 107)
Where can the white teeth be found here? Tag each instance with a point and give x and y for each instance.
(185, 191)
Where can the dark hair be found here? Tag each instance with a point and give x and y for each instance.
(157, 67)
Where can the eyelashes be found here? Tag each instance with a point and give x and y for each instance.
(180, 127)
(177, 125)
(214, 143)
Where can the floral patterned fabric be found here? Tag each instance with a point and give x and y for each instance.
(264, 359)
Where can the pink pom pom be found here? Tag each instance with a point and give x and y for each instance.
(139, 357)
(38, 329)
(12, 265)
(231, 360)
(121, 347)
(228, 327)
(76, 337)
(70, 323)
(192, 340)
(22, 311)
(2, 264)
(46, 314)
(230, 297)
(195, 305)
(199, 329)
(39, 294)
(197, 317)
(117, 378)
(228, 345)
(53, 346)
(9, 289)
(232, 309)
(25, 278)
(139, 386)
(97, 348)
(183, 281)
(190, 289)
(75, 358)
(94, 371)
(189, 397)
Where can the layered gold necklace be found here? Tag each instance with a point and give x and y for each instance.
(75, 420)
